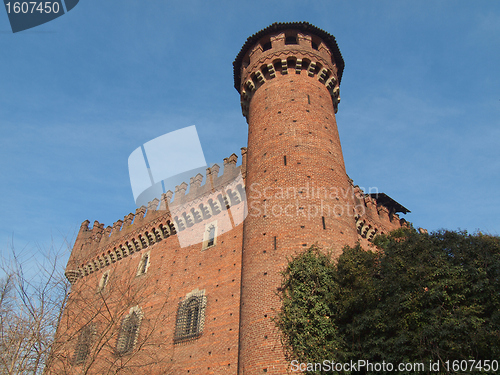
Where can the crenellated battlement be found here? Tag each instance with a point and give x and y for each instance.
(376, 214)
(97, 247)
(288, 48)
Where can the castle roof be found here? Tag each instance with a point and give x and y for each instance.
(388, 202)
(327, 38)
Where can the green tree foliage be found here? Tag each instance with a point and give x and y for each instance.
(420, 298)
(308, 302)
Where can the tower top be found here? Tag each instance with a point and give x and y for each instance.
(305, 27)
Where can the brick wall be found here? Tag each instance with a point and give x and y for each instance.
(298, 194)
(297, 188)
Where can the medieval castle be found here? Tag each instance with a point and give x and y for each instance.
(146, 301)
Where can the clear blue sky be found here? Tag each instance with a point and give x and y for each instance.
(419, 117)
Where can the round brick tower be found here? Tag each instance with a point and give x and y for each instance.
(298, 193)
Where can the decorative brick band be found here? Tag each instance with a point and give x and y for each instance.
(267, 67)
(158, 230)
(123, 250)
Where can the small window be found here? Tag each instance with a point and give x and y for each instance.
(84, 343)
(246, 61)
(144, 264)
(210, 236)
(266, 46)
(103, 282)
(129, 331)
(291, 40)
(315, 42)
(190, 317)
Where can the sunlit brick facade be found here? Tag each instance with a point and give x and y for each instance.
(142, 301)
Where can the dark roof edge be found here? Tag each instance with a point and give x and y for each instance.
(388, 202)
(327, 38)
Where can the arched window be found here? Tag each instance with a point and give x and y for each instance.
(190, 317)
(129, 331)
(84, 343)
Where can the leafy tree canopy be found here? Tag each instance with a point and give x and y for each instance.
(418, 298)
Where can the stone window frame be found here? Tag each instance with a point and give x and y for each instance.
(103, 282)
(208, 240)
(144, 264)
(129, 331)
(84, 343)
(190, 320)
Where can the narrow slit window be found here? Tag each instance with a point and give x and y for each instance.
(274, 240)
(284, 159)
(308, 99)
(144, 264)
(323, 220)
(104, 281)
(211, 236)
